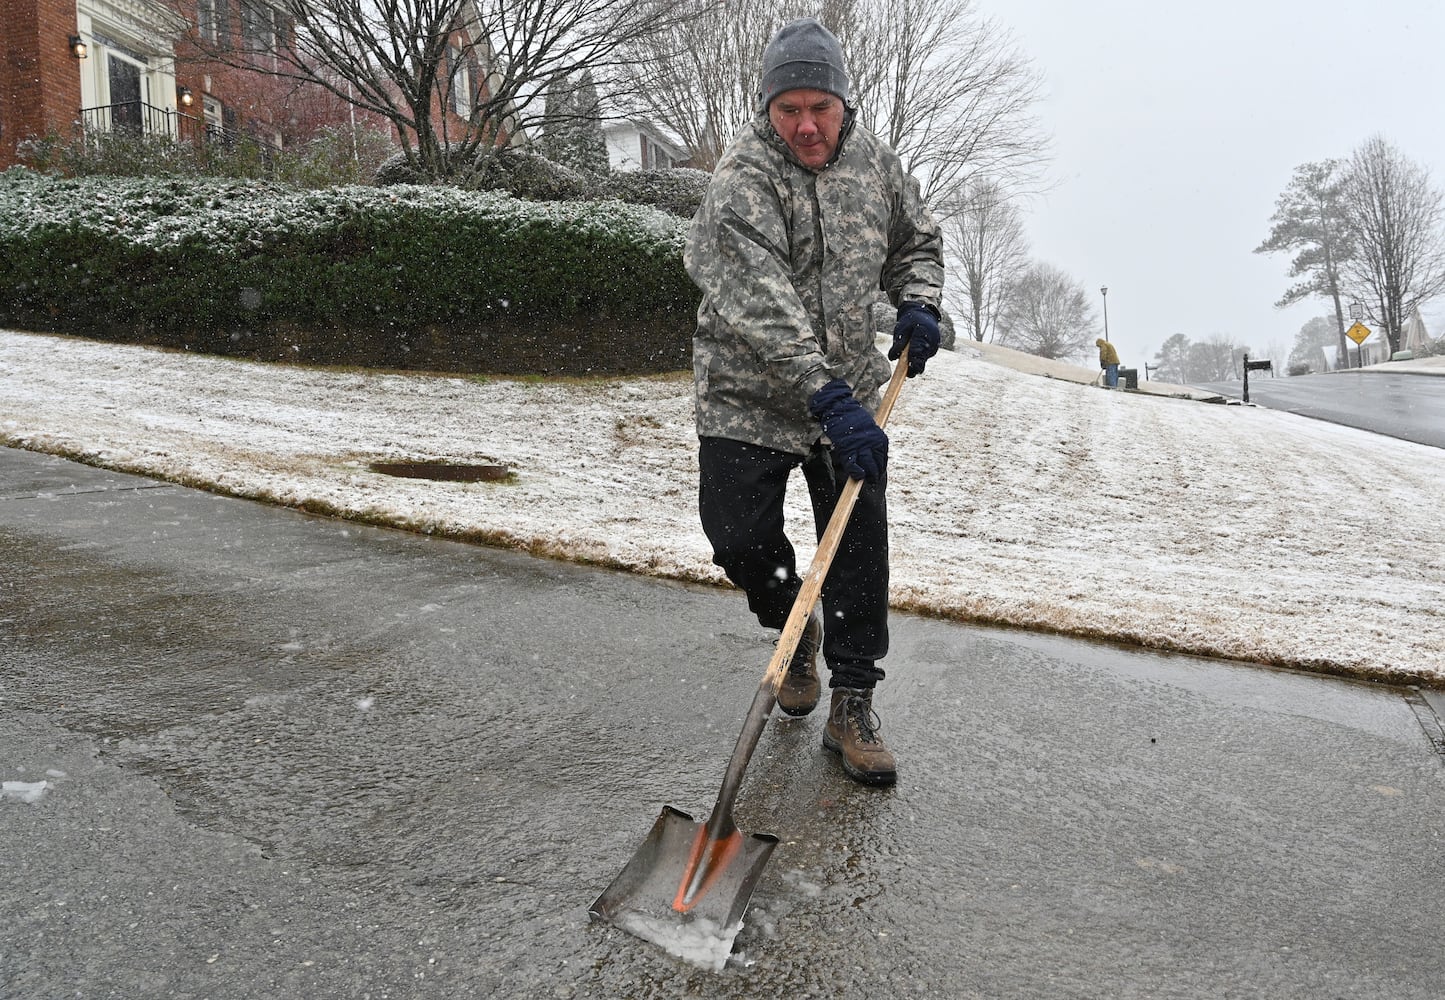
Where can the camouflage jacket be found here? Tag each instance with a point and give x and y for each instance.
(789, 261)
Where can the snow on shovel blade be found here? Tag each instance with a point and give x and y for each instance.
(686, 891)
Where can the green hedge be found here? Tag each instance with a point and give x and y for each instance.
(405, 276)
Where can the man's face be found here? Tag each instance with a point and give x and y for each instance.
(809, 122)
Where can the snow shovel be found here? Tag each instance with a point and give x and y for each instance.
(688, 884)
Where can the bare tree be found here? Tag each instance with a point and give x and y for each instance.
(1309, 221)
(1049, 314)
(1173, 359)
(1217, 359)
(1396, 214)
(697, 77)
(941, 84)
(453, 77)
(986, 240)
(948, 89)
(1275, 352)
(1308, 354)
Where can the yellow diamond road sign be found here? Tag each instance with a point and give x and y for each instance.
(1357, 333)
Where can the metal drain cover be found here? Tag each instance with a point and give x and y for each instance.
(451, 472)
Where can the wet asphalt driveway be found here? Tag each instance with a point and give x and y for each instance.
(292, 757)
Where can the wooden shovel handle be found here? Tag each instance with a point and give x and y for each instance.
(720, 824)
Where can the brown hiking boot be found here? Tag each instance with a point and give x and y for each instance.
(852, 731)
(799, 691)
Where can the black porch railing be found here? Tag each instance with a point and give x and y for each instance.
(139, 119)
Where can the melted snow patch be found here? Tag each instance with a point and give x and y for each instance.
(24, 791)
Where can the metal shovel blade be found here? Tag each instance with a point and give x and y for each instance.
(686, 889)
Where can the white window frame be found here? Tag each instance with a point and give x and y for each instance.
(260, 27)
(460, 81)
(211, 111)
(208, 19)
(143, 68)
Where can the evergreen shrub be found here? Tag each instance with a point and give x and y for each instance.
(677, 191)
(527, 174)
(405, 276)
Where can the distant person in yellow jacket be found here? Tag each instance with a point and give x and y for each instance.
(1109, 361)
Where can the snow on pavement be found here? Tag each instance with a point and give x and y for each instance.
(1014, 499)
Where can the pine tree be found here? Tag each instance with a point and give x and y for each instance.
(1309, 221)
(589, 144)
(573, 133)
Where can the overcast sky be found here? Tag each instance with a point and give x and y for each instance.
(1176, 128)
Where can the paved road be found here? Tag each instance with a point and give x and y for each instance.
(290, 757)
(1407, 406)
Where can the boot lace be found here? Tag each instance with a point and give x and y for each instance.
(859, 713)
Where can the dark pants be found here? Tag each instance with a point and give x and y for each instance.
(740, 497)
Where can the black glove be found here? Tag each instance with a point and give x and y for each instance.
(859, 441)
(918, 327)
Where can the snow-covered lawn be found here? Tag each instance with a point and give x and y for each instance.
(1015, 499)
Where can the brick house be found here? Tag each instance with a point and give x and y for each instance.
(72, 66)
(112, 65)
(40, 70)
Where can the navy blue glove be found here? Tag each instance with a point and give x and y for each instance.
(857, 440)
(918, 326)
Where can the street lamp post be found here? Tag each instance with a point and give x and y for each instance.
(1104, 291)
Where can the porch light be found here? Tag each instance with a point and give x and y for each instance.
(184, 97)
(78, 47)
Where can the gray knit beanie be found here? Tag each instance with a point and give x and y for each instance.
(803, 55)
